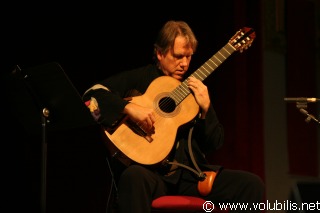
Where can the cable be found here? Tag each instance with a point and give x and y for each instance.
(112, 186)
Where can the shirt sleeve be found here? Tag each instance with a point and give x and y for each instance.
(209, 132)
(107, 113)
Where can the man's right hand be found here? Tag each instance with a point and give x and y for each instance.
(142, 116)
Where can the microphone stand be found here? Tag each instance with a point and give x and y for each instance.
(44, 153)
(302, 108)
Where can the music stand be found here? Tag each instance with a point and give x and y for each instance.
(45, 99)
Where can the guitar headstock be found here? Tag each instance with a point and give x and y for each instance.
(243, 39)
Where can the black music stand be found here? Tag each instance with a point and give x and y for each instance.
(45, 99)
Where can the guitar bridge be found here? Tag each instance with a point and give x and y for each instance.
(138, 130)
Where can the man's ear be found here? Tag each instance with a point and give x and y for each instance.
(159, 55)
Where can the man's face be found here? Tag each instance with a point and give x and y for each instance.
(176, 62)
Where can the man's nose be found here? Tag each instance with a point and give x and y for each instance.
(184, 61)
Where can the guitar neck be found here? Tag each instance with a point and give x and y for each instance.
(214, 62)
(182, 91)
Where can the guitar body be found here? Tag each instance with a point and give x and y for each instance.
(154, 148)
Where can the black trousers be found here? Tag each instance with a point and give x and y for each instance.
(138, 186)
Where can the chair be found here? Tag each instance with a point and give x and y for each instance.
(177, 203)
(182, 203)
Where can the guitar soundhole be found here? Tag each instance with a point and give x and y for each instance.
(167, 104)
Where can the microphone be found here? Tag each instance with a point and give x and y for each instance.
(302, 99)
(309, 116)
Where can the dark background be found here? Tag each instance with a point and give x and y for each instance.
(92, 41)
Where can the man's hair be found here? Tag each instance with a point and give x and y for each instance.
(168, 33)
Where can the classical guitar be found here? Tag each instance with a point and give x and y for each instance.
(174, 106)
